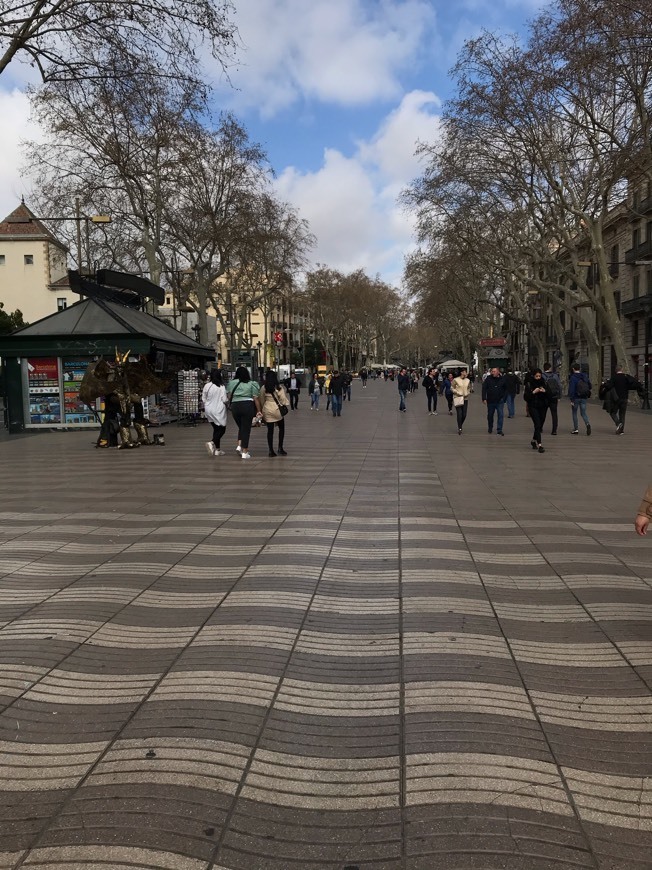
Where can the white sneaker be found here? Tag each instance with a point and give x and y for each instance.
(210, 448)
(246, 455)
(239, 449)
(434, 413)
(220, 453)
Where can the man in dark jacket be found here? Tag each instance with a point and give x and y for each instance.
(403, 387)
(579, 390)
(513, 389)
(494, 391)
(622, 385)
(430, 383)
(293, 386)
(336, 388)
(553, 381)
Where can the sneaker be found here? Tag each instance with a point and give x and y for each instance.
(220, 453)
(246, 455)
(533, 444)
(490, 431)
(575, 431)
(588, 429)
(541, 450)
(620, 428)
(554, 433)
(210, 448)
(500, 433)
(459, 431)
(239, 449)
(434, 413)
(281, 452)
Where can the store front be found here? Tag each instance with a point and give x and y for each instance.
(46, 361)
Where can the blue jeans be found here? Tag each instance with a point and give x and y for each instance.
(581, 404)
(402, 394)
(492, 408)
(510, 405)
(336, 405)
(314, 400)
(346, 393)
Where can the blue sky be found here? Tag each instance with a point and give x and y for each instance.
(338, 92)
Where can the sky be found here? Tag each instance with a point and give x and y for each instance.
(339, 93)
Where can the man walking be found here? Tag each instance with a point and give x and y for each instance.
(293, 386)
(579, 390)
(622, 384)
(347, 380)
(494, 390)
(513, 389)
(553, 381)
(403, 387)
(336, 387)
(430, 383)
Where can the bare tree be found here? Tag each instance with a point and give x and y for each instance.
(76, 40)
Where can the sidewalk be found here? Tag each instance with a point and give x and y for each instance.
(395, 648)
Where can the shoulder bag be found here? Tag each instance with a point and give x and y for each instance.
(282, 408)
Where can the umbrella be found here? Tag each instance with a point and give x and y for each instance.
(453, 364)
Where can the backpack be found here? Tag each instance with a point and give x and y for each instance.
(582, 389)
(554, 386)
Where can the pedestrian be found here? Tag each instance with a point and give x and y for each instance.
(430, 384)
(327, 389)
(245, 406)
(214, 399)
(579, 390)
(337, 388)
(513, 389)
(494, 390)
(364, 374)
(414, 378)
(347, 380)
(314, 388)
(537, 396)
(461, 387)
(293, 386)
(403, 388)
(644, 514)
(273, 399)
(622, 384)
(446, 391)
(553, 382)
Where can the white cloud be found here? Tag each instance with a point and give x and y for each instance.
(15, 127)
(351, 202)
(344, 52)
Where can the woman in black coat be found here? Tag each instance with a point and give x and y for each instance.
(537, 395)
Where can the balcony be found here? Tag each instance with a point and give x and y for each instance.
(639, 305)
(640, 208)
(640, 252)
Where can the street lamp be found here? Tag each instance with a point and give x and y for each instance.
(78, 218)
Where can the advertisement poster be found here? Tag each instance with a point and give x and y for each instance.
(44, 392)
(76, 412)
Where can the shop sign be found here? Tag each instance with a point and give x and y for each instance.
(492, 342)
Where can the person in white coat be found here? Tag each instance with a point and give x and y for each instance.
(461, 387)
(214, 399)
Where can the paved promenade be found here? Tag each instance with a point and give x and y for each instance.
(395, 648)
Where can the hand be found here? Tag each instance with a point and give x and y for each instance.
(484, 401)
(641, 524)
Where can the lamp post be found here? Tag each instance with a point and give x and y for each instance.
(79, 218)
(645, 404)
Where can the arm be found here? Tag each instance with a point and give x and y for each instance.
(644, 514)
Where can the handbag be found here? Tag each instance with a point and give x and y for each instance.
(458, 400)
(229, 400)
(282, 408)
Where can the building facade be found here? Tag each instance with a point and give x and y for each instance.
(33, 268)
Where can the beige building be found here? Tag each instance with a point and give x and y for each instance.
(33, 270)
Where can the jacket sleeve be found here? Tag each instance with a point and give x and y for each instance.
(645, 509)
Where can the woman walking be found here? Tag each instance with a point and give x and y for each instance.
(272, 398)
(245, 405)
(314, 388)
(430, 383)
(214, 399)
(461, 387)
(446, 390)
(537, 397)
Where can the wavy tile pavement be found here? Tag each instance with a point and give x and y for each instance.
(393, 649)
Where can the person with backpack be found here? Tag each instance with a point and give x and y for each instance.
(579, 390)
(430, 383)
(553, 383)
(619, 386)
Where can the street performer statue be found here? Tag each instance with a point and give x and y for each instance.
(121, 383)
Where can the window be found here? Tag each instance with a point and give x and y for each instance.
(636, 286)
(167, 301)
(29, 259)
(62, 303)
(634, 332)
(636, 237)
(2, 259)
